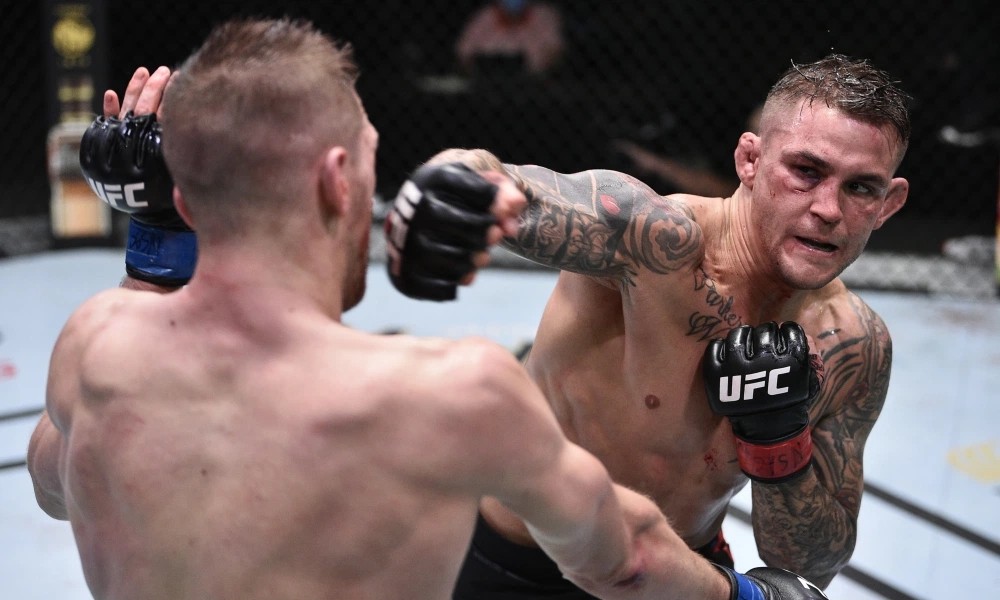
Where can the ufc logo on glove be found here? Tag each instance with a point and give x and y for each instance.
(112, 194)
(729, 387)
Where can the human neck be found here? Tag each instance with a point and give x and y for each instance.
(742, 260)
(243, 269)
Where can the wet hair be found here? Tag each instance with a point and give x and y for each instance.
(852, 86)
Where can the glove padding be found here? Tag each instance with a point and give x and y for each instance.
(438, 222)
(764, 380)
(766, 583)
(122, 161)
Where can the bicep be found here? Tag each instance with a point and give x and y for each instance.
(560, 498)
(602, 223)
(854, 392)
(527, 462)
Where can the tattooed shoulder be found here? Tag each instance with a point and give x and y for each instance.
(857, 360)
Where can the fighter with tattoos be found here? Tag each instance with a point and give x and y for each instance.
(625, 352)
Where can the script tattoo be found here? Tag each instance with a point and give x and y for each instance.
(810, 525)
(706, 326)
(601, 223)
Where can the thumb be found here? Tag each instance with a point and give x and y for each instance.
(508, 203)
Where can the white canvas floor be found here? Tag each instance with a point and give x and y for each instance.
(930, 520)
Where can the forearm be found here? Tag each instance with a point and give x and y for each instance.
(800, 526)
(545, 226)
(600, 223)
(661, 566)
(44, 449)
(809, 525)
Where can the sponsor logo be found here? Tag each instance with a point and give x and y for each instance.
(810, 586)
(398, 221)
(742, 387)
(121, 197)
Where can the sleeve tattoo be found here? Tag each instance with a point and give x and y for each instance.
(810, 526)
(601, 223)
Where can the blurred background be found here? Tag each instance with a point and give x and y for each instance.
(627, 84)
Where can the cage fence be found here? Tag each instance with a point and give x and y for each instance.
(678, 79)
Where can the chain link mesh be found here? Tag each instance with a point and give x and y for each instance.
(677, 78)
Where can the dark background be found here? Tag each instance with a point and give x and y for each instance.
(680, 77)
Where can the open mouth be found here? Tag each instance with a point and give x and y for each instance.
(821, 246)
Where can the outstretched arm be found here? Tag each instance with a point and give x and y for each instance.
(600, 223)
(611, 541)
(810, 525)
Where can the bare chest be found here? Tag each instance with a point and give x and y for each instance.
(638, 403)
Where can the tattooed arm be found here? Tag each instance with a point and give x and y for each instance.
(809, 525)
(600, 223)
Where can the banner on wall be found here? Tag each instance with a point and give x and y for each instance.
(75, 42)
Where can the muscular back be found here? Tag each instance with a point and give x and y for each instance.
(232, 450)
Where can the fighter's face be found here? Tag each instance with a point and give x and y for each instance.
(823, 184)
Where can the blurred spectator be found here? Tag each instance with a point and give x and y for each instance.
(524, 35)
(685, 175)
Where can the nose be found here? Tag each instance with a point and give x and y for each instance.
(826, 203)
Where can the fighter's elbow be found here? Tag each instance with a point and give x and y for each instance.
(49, 498)
(43, 468)
(51, 504)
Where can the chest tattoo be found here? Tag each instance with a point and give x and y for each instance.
(720, 316)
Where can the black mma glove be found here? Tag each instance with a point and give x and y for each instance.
(437, 223)
(764, 380)
(122, 160)
(765, 583)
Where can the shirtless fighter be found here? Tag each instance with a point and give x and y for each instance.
(648, 281)
(232, 439)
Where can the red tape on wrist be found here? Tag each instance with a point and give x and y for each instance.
(771, 463)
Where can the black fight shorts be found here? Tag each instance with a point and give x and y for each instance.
(497, 569)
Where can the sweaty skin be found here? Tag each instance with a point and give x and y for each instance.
(647, 281)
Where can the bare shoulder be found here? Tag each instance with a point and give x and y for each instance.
(470, 375)
(86, 324)
(93, 315)
(474, 410)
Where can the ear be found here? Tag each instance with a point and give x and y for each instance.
(334, 185)
(182, 208)
(899, 189)
(746, 155)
